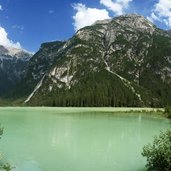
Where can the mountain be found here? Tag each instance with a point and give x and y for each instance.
(124, 61)
(36, 68)
(12, 67)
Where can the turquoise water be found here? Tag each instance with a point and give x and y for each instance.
(60, 139)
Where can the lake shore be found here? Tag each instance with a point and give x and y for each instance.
(103, 110)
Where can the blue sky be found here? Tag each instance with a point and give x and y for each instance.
(31, 22)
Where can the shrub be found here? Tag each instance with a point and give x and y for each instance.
(167, 111)
(159, 153)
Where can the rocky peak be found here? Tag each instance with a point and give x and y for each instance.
(136, 22)
(14, 53)
(13, 64)
(3, 50)
(106, 21)
(128, 27)
(125, 24)
(53, 44)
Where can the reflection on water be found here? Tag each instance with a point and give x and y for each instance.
(51, 140)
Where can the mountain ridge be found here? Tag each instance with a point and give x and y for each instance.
(120, 62)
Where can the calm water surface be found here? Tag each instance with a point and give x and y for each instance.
(56, 139)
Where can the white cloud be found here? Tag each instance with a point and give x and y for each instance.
(153, 17)
(1, 9)
(162, 12)
(5, 41)
(86, 16)
(116, 6)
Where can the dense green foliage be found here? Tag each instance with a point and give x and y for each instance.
(92, 91)
(159, 153)
(167, 111)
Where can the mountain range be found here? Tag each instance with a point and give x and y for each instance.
(124, 61)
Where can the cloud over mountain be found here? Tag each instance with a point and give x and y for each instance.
(86, 16)
(118, 7)
(162, 12)
(5, 41)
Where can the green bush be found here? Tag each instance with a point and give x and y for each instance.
(6, 167)
(167, 111)
(159, 153)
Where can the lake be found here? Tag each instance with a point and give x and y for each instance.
(76, 139)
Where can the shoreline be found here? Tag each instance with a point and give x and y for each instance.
(105, 110)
